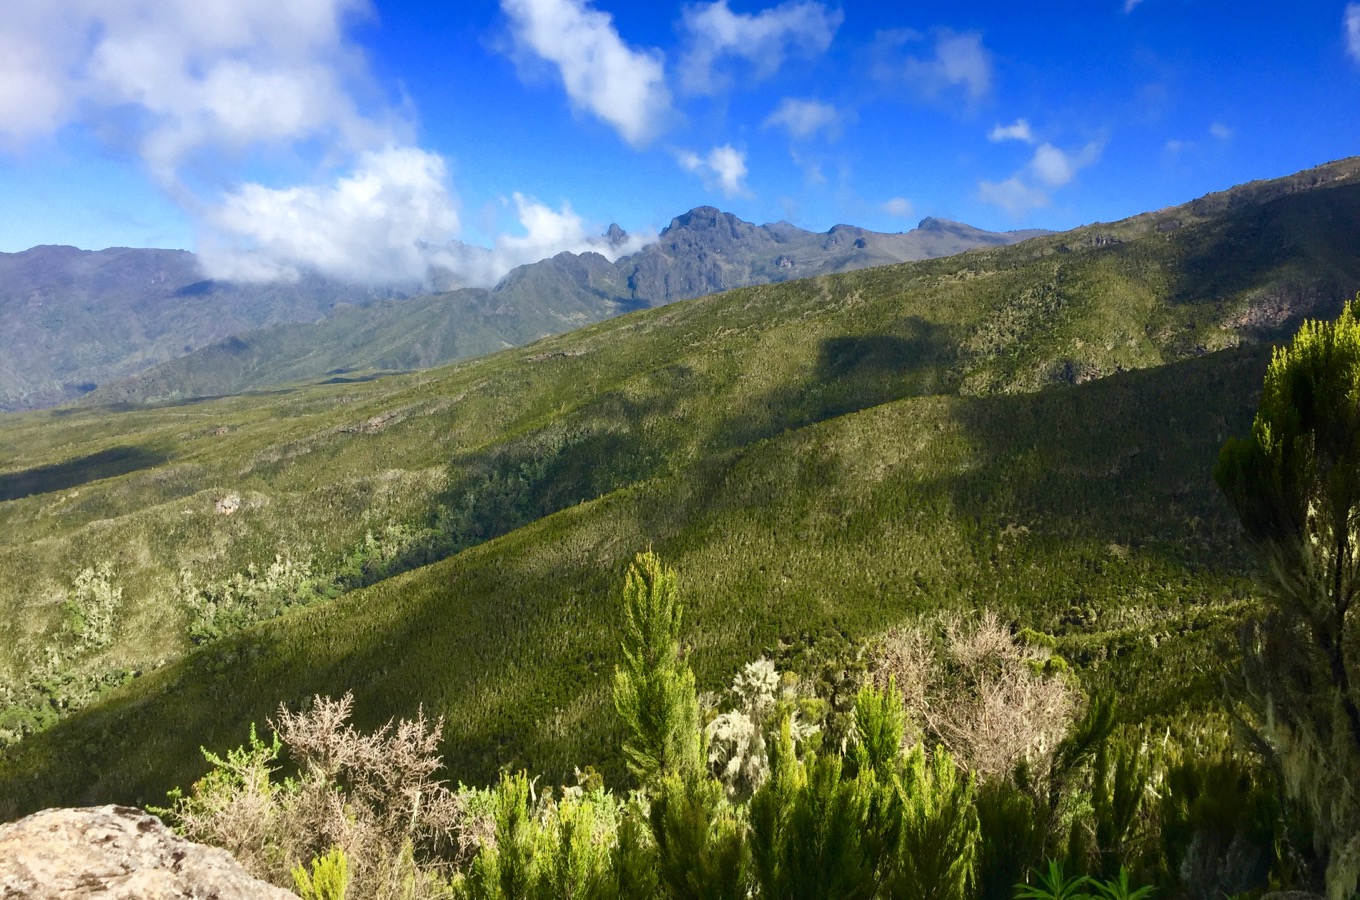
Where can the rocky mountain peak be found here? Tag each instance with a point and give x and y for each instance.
(615, 236)
(708, 219)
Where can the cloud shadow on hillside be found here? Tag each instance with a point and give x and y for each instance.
(1298, 249)
(853, 372)
(1126, 459)
(75, 472)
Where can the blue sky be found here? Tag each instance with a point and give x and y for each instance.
(362, 138)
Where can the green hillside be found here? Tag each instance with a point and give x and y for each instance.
(701, 252)
(1028, 429)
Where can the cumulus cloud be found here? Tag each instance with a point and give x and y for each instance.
(764, 40)
(1220, 131)
(722, 170)
(374, 225)
(198, 74)
(1049, 169)
(1352, 24)
(1056, 168)
(958, 60)
(1018, 131)
(547, 232)
(197, 87)
(626, 88)
(39, 48)
(804, 118)
(900, 207)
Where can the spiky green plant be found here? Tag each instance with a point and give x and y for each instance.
(1119, 781)
(1054, 885)
(938, 849)
(702, 853)
(1295, 483)
(1118, 888)
(328, 878)
(654, 690)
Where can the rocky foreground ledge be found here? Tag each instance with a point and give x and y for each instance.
(116, 853)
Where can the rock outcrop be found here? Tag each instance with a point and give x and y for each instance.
(116, 853)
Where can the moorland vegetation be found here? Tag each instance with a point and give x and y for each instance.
(1026, 430)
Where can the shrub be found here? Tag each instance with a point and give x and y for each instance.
(979, 692)
(327, 880)
(372, 797)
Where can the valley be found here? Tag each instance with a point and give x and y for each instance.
(1028, 429)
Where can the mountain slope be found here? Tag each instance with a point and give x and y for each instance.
(75, 318)
(701, 252)
(820, 459)
(550, 297)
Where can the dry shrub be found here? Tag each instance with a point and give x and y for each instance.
(372, 795)
(975, 689)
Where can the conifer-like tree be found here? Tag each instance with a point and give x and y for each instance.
(654, 687)
(1295, 483)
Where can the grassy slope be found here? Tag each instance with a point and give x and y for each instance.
(800, 452)
(395, 335)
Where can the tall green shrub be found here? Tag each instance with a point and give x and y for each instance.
(938, 850)
(880, 722)
(702, 853)
(654, 689)
(817, 833)
(1295, 483)
(328, 878)
(1010, 838)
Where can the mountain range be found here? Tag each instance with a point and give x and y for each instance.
(129, 321)
(1028, 429)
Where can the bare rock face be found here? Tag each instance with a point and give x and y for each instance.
(116, 853)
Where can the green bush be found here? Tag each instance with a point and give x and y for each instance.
(328, 878)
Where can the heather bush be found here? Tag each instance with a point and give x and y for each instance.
(883, 815)
(373, 797)
(92, 608)
(994, 701)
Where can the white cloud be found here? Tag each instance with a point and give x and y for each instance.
(900, 207)
(762, 39)
(602, 75)
(1175, 146)
(959, 60)
(1056, 168)
(547, 232)
(391, 220)
(724, 169)
(374, 225)
(1049, 169)
(199, 73)
(1352, 21)
(1130, 5)
(1013, 195)
(1018, 131)
(1221, 131)
(198, 86)
(804, 118)
(39, 46)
